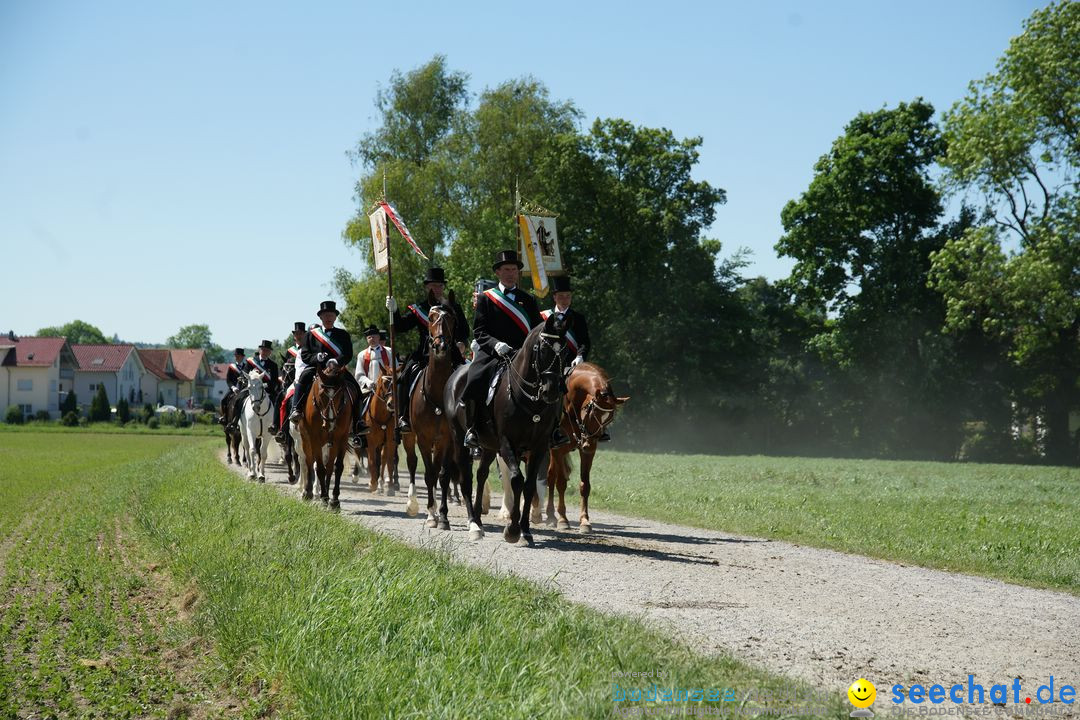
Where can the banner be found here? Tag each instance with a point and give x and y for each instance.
(378, 239)
(540, 250)
(400, 225)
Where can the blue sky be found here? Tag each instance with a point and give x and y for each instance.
(145, 148)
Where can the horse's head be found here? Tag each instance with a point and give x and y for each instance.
(440, 330)
(255, 385)
(547, 355)
(384, 389)
(330, 374)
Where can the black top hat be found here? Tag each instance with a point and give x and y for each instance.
(299, 326)
(266, 344)
(505, 257)
(371, 330)
(382, 334)
(238, 351)
(435, 274)
(560, 283)
(328, 306)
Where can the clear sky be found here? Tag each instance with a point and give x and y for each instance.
(169, 163)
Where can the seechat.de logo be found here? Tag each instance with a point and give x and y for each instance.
(861, 694)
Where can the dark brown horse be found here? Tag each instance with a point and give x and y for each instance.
(588, 408)
(431, 429)
(324, 432)
(526, 409)
(381, 448)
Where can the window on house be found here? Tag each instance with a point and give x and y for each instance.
(27, 410)
(25, 385)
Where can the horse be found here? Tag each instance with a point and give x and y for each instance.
(381, 446)
(431, 431)
(588, 408)
(255, 425)
(526, 410)
(233, 434)
(324, 433)
(289, 446)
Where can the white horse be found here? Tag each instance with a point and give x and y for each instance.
(255, 422)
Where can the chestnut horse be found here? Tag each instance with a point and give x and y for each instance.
(381, 447)
(324, 432)
(431, 430)
(526, 410)
(588, 408)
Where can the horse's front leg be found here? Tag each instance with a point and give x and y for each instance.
(586, 456)
(555, 471)
(512, 532)
(412, 507)
(475, 508)
(339, 467)
(373, 462)
(541, 487)
(532, 469)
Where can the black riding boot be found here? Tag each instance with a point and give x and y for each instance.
(471, 441)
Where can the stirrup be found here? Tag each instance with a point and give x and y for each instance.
(471, 441)
(558, 439)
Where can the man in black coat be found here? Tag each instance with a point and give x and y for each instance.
(323, 346)
(236, 378)
(504, 316)
(417, 317)
(270, 376)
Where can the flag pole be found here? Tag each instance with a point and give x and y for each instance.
(393, 351)
(517, 216)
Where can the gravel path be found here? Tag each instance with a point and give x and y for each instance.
(822, 616)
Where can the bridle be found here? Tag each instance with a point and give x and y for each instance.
(592, 410)
(329, 413)
(258, 399)
(544, 341)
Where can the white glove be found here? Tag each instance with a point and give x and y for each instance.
(365, 383)
(577, 361)
(391, 303)
(235, 388)
(503, 349)
(321, 357)
(332, 363)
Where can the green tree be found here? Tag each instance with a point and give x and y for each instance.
(862, 235)
(70, 404)
(1015, 141)
(77, 332)
(100, 410)
(197, 337)
(123, 411)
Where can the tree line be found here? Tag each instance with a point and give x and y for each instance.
(903, 331)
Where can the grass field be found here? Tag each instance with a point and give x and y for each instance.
(1013, 522)
(142, 579)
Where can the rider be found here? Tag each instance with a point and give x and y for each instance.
(577, 340)
(236, 378)
(290, 370)
(324, 346)
(269, 369)
(371, 364)
(417, 317)
(504, 316)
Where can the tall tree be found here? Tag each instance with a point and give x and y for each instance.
(197, 337)
(862, 235)
(1015, 141)
(77, 332)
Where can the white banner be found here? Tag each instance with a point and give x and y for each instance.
(379, 239)
(541, 233)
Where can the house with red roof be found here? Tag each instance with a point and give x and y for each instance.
(220, 371)
(159, 382)
(179, 377)
(117, 368)
(36, 373)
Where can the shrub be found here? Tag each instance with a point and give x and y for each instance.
(123, 411)
(209, 406)
(70, 404)
(14, 415)
(83, 422)
(99, 406)
(153, 423)
(42, 415)
(182, 420)
(147, 412)
(206, 418)
(70, 419)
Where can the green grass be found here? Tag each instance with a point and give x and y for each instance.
(1013, 522)
(323, 617)
(132, 428)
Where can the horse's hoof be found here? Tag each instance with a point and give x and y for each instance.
(292, 481)
(444, 524)
(475, 532)
(229, 460)
(432, 523)
(511, 535)
(262, 478)
(563, 524)
(534, 517)
(585, 528)
(390, 491)
(526, 540)
(551, 521)
(325, 501)
(307, 496)
(335, 505)
(251, 476)
(412, 508)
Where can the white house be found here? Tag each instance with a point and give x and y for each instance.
(35, 373)
(115, 367)
(221, 386)
(159, 380)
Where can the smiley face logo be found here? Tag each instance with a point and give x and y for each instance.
(862, 693)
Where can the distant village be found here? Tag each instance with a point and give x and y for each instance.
(38, 373)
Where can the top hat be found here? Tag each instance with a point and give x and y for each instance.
(239, 351)
(506, 257)
(266, 344)
(435, 275)
(299, 326)
(328, 306)
(560, 283)
(371, 330)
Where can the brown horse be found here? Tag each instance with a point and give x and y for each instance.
(381, 448)
(431, 429)
(588, 408)
(324, 432)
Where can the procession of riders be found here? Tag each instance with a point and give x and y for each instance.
(504, 315)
